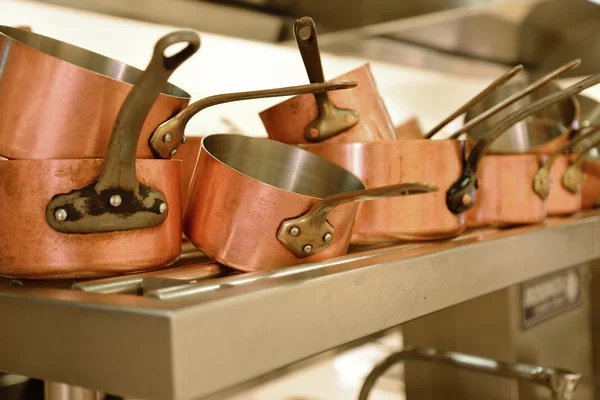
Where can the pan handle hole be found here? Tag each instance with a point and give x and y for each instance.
(305, 33)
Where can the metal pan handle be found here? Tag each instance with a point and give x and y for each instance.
(542, 181)
(310, 233)
(515, 97)
(166, 138)
(118, 201)
(461, 195)
(572, 179)
(465, 107)
(561, 382)
(330, 120)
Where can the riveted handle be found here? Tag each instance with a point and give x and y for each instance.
(515, 97)
(461, 195)
(170, 134)
(572, 179)
(118, 201)
(467, 106)
(311, 232)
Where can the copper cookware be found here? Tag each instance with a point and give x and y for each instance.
(92, 217)
(188, 155)
(389, 162)
(61, 101)
(258, 204)
(590, 192)
(352, 115)
(507, 194)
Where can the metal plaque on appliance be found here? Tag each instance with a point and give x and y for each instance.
(550, 295)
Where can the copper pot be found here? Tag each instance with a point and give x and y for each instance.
(258, 204)
(353, 115)
(72, 114)
(188, 155)
(92, 217)
(509, 185)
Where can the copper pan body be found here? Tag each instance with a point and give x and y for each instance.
(55, 108)
(505, 194)
(286, 121)
(233, 218)
(409, 129)
(188, 154)
(32, 249)
(590, 192)
(423, 217)
(561, 201)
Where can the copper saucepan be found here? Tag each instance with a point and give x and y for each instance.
(93, 217)
(388, 162)
(258, 204)
(353, 115)
(505, 183)
(61, 101)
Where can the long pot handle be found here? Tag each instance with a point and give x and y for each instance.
(561, 382)
(165, 140)
(465, 107)
(515, 97)
(461, 195)
(118, 201)
(572, 179)
(311, 232)
(330, 120)
(542, 181)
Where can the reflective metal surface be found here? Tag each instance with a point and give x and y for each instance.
(386, 286)
(561, 382)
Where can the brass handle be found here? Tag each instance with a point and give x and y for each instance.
(572, 179)
(561, 382)
(170, 134)
(465, 107)
(311, 232)
(542, 181)
(118, 201)
(330, 120)
(515, 97)
(461, 195)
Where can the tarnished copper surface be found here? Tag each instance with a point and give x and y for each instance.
(233, 219)
(561, 201)
(590, 193)
(286, 121)
(409, 129)
(188, 154)
(505, 194)
(390, 162)
(52, 109)
(31, 249)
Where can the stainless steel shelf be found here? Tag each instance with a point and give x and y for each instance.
(227, 331)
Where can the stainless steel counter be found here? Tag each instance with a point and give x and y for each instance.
(230, 330)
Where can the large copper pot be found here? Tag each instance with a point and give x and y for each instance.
(352, 115)
(258, 204)
(92, 217)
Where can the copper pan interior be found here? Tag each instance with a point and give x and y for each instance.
(543, 127)
(283, 166)
(83, 58)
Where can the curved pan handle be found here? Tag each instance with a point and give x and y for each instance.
(118, 201)
(330, 120)
(572, 179)
(542, 181)
(461, 195)
(515, 97)
(561, 382)
(310, 233)
(465, 107)
(166, 138)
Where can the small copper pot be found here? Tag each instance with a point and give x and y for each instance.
(92, 217)
(258, 204)
(353, 115)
